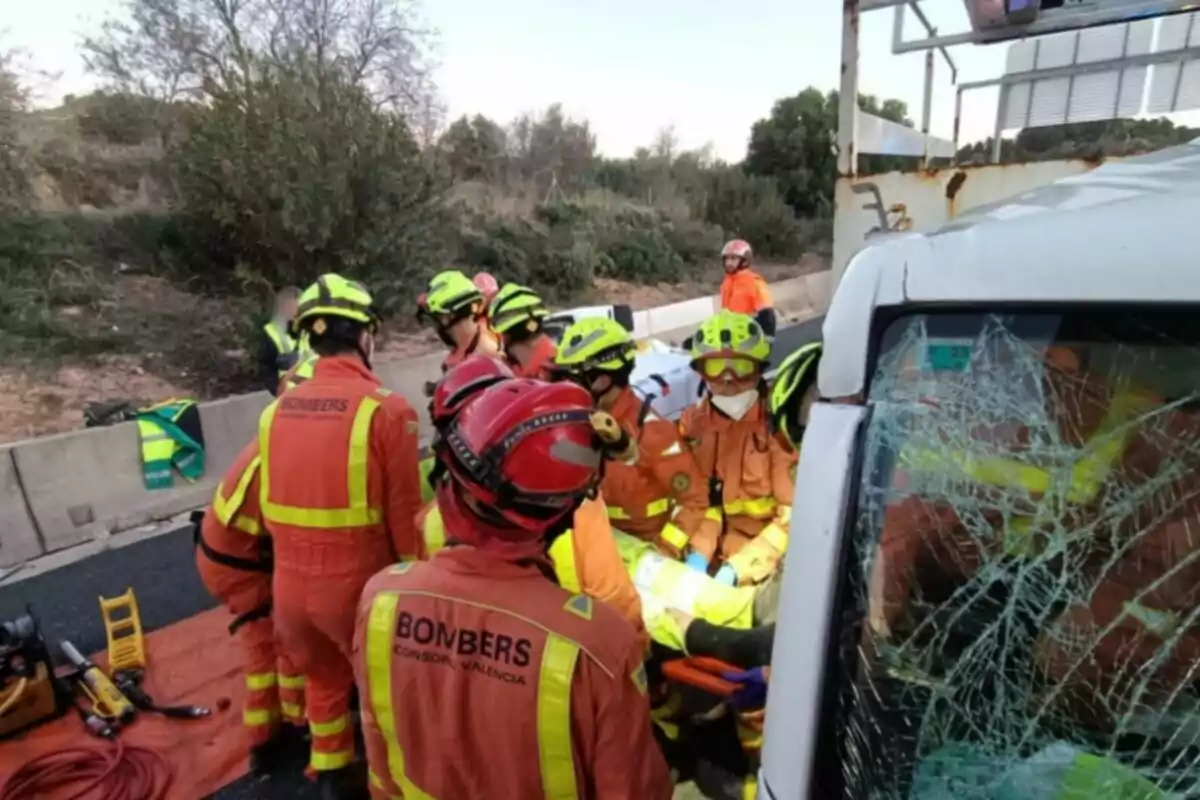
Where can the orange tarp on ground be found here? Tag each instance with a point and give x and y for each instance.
(194, 662)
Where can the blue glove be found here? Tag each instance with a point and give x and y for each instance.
(753, 694)
(726, 575)
(698, 562)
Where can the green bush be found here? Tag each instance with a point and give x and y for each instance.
(288, 177)
(31, 248)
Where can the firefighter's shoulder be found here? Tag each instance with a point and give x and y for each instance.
(599, 630)
(395, 408)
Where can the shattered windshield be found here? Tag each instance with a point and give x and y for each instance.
(1026, 562)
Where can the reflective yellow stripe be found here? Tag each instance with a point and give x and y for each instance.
(258, 681)
(380, 629)
(257, 717)
(292, 711)
(434, 531)
(247, 525)
(1087, 475)
(776, 536)
(291, 681)
(713, 513)
(562, 553)
(555, 753)
(759, 507)
(672, 535)
(329, 728)
(225, 508)
(376, 781)
(359, 513)
(652, 509)
(324, 762)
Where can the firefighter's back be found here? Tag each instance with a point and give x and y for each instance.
(322, 484)
(485, 679)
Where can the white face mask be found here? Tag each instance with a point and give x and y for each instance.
(735, 406)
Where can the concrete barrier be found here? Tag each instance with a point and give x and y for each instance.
(19, 540)
(87, 484)
(60, 491)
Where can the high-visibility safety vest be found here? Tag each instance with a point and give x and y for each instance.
(1083, 481)
(358, 512)
(304, 370)
(227, 504)
(287, 349)
(171, 439)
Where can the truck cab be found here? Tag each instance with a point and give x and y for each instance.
(993, 584)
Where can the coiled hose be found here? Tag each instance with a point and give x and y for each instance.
(116, 772)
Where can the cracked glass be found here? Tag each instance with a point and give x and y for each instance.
(1026, 561)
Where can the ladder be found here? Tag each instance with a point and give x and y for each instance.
(123, 628)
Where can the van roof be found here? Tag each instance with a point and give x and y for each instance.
(1126, 231)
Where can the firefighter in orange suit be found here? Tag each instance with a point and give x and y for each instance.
(515, 314)
(340, 495)
(585, 558)
(750, 471)
(537, 692)
(661, 496)
(744, 291)
(233, 557)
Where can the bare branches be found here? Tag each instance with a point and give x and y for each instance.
(180, 49)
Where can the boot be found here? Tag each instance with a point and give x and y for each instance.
(348, 783)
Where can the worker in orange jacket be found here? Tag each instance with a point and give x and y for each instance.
(233, 557)
(515, 314)
(744, 291)
(456, 307)
(340, 495)
(661, 496)
(585, 557)
(461, 650)
(750, 470)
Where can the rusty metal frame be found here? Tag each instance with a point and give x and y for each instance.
(847, 135)
(1130, 13)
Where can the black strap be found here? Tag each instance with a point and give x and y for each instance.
(644, 411)
(662, 384)
(253, 615)
(263, 565)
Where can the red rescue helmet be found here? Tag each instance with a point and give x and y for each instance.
(487, 284)
(521, 456)
(463, 383)
(736, 254)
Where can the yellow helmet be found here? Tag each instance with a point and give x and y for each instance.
(797, 374)
(595, 343)
(731, 335)
(453, 293)
(334, 296)
(515, 306)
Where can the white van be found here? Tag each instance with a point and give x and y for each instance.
(993, 589)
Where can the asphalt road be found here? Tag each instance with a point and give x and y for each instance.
(168, 589)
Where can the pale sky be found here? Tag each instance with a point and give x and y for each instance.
(631, 67)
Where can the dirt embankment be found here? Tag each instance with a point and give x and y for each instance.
(177, 344)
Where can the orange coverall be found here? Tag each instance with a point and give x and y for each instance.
(483, 342)
(662, 497)
(340, 494)
(745, 292)
(232, 558)
(544, 351)
(585, 560)
(481, 678)
(757, 473)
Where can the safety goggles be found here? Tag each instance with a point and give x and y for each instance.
(717, 367)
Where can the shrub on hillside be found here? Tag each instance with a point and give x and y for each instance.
(752, 208)
(289, 176)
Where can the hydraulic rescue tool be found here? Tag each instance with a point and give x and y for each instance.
(107, 700)
(29, 692)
